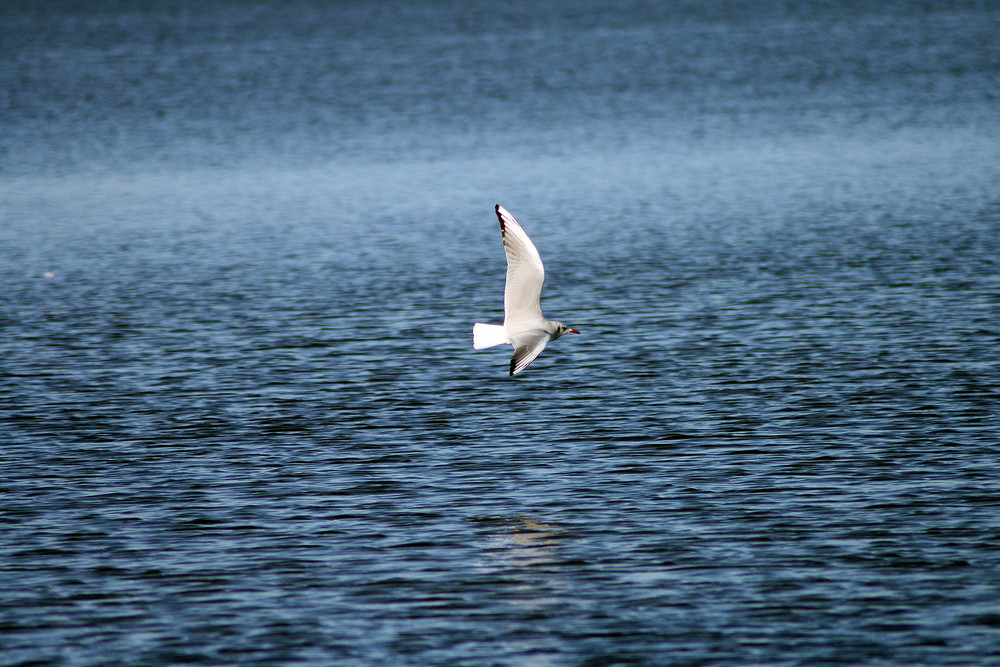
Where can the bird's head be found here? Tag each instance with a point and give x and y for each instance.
(562, 329)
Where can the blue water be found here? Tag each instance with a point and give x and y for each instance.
(242, 246)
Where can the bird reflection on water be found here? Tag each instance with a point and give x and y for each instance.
(527, 542)
(524, 552)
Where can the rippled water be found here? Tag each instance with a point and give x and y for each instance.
(242, 249)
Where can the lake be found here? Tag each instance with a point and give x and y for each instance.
(242, 247)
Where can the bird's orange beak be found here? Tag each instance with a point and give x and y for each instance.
(572, 331)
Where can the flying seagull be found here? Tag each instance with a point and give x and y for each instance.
(524, 326)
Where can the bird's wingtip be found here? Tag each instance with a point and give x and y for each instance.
(501, 214)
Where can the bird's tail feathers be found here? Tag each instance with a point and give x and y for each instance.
(488, 335)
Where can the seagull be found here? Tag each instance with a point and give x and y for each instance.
(524, 326)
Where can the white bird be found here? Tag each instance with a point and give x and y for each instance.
(524, 326)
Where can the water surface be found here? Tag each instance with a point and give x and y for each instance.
(242, 248)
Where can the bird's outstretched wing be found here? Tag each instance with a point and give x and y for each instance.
(525, 276)
(526, 348)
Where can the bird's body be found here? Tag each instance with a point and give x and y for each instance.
(524, 327)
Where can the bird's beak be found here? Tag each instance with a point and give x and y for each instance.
(572, 331)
